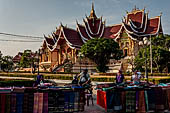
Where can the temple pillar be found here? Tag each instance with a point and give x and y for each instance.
(59, 59)
(75, 56)
(72, 55)
(49, 57)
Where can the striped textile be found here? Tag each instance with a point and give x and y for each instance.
(25, 103)
(151, 99)
(141, 103)
(137, 100)
(76, 101)
(7, 103)
(30, 102)
(36, 95)
(66, 101)
(55, 101)
(110, 101)
(159, 105)
(165, 99)
(40, 102)
(60, 101)
(71, 101)
(51, 102)
(130, 101)
(82, 100)
(19, 99)
(45, 103)
(113, 100)
(13, 102)
(23, 100)
(123, 99)
(168, 97)
(3, 99)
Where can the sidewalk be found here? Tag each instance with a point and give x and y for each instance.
(94, 83)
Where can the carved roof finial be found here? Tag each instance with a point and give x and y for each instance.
(134, 9)
(92, 13)
(76, 21)
(161, 14)
(92, 6)
(144, 8)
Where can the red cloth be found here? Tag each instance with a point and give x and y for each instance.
(45, 103)
(40, 103)
(141, 103)
(101, 99)
(3, 102)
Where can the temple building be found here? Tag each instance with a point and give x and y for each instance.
(62, 46)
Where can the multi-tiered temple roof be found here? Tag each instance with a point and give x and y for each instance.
(136, 25)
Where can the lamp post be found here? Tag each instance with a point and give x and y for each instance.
(151, 53)
(0, 59)
(80, 55)
(38, 61)
(145, 43)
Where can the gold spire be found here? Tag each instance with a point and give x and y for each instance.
(92, 13)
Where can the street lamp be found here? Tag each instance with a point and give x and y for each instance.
(145, 43)
(39, 53)
(80, 55)
(0, 59)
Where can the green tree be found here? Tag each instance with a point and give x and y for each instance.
(160, 54)
(7, 63)
(100, 51)
(27, 59)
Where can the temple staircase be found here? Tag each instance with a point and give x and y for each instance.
(126, 65)
(114, 66)
(60, 67)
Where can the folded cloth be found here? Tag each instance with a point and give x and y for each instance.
(45, 103)
(2, 103)
(35, 103)
(113, 100)
(25, 103)
(8, 100)
(76, 101)
(130, 101)
(40, 102)
(141, 102)
(20, 98)
(13, 102)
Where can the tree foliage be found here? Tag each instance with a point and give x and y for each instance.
(100, 51)
(27, 59)
(160, 54)
(6, 63)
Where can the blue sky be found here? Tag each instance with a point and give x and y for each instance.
(38, 17)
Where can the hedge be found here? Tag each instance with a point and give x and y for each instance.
(100, 78)
(16, 83)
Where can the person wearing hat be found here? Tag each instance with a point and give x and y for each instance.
(119, 77)
(136, 77)
(84, 78)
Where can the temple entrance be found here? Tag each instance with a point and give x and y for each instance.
(125, 52)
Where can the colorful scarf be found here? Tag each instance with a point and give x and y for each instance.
(130, 101)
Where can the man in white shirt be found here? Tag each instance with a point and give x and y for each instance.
(84, 78)
(136, 77)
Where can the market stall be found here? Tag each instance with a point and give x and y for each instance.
(134, 98)
(42, 100)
